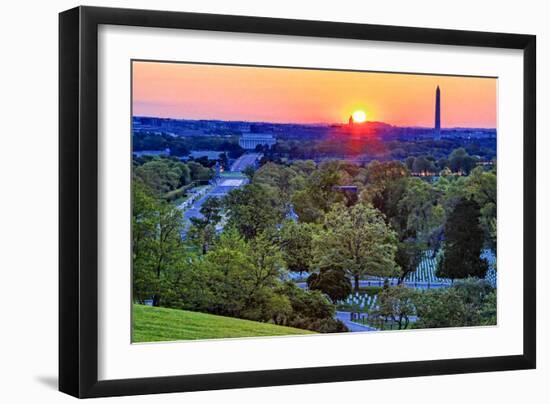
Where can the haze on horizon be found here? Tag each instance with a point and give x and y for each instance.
(283, 95)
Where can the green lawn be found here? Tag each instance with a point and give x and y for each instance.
(160, 324)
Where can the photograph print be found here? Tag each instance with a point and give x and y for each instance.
(277, 201)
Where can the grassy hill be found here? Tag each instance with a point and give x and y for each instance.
(160, 324)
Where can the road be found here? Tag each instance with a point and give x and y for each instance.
(344, 317)
(248, 159)
(222, 188)
(231, 180)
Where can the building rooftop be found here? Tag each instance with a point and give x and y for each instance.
(250, 135)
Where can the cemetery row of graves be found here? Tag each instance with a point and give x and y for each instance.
(361, 305)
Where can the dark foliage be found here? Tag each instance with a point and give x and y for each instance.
(332, 282)
(464, 240)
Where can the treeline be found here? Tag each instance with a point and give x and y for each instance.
(164, 176)
(459, 161)
(468, 302)
(182, 146)
(483, 148)
(373, 148)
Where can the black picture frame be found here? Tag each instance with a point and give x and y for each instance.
(78, 201)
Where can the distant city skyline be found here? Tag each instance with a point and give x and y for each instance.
(305, 96)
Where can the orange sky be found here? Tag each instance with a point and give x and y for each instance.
(195, 91)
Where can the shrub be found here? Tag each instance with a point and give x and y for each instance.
(332, 282)
(470, 302)
(311, 310)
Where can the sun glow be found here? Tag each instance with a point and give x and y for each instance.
(359, 116)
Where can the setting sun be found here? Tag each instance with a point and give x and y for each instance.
(359, 116)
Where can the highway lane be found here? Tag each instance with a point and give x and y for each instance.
(248, 159)
(222, 188)
(233, 179)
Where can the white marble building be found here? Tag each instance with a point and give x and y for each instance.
(249, 141)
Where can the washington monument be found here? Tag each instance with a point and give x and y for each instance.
(437, 126)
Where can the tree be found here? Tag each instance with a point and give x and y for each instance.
(267, 263)
(157, 243)
(162, 175)
(311, 310)
(318, 195)
(253, 209)
(395, 303)
(423, 166)
(443, 164)
(463, 243)
(468, 302)
(461, 161)
(380, 178)
(201, 234)
(249, 172)
(408, 256)
(357, 241)
(380, 174)
(211, 210)
(278, 309)
(186, 286)
(481, 186)
(144, 222)
(306, 207)
(203, 229)
(474, 293)
(437, 308)
(332, 282)
(200, 172)
(296, 240)
(488, 311)
(419, 209)
(386, 184)
(304, 167)
(230, 273)
(278, 176)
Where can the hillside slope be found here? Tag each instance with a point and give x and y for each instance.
(161, 324)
